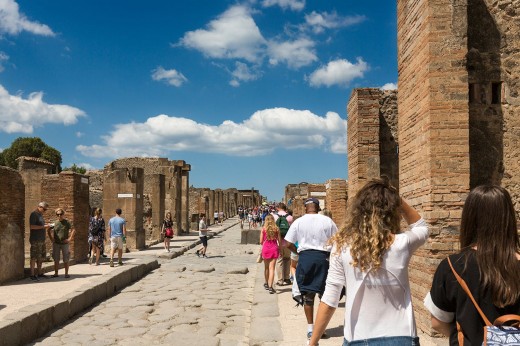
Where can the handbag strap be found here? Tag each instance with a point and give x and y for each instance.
(468, 292)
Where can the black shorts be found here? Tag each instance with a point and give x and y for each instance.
(204, 240)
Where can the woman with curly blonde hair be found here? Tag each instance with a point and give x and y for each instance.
(370, 257)
(271, 248)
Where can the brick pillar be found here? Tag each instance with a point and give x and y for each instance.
(336, 199)
(12, 197)
(433, 128)
(363, 137)
(185, 198)
(157, 199)
(123, 188)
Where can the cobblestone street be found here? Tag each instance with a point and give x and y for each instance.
(187, 301)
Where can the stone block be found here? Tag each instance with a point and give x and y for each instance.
(259, 334)
(29, 325)
(10, 332)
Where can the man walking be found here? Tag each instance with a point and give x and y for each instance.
(283, 263)
(312, 231)
(37, 228)
(117, 229)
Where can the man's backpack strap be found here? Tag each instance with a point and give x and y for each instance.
(468, 292)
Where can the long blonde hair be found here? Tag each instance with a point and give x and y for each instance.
(270, 228)
(373, 218)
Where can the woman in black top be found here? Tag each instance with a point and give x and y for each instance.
(167, 230)
(489, 262)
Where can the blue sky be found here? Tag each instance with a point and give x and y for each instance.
(250, 93)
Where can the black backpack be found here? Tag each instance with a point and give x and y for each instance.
(282, 224)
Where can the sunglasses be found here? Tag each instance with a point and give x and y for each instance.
(59, 214)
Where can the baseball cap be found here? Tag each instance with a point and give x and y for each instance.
(312, 200)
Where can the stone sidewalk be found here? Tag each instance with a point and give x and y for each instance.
(30, 309)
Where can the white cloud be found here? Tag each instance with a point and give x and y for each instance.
(295, 5)
(318, 22)
(338, 72)
(265, 131)
(242, 73)
(79, 134)
(3, 58)
(389, 86)
(295, 54)
(22, 115)
(171, 77)
(13, 22)
(233, 35)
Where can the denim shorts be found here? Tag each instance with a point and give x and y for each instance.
(385, 341)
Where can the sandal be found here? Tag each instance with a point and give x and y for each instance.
(55, 276)
(67, 276)
(266, 286)
(271, 290)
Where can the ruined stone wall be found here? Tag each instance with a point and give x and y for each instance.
(363, 137)
(336, 199)
(69, 191)
(494, 99)
(96, 178)
(32, 180)
(12, 222)
(123, 188)
(433, 128)
(389, 136)
(30, 163)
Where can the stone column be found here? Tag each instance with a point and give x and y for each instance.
(434, 167)
(12, 196)
(123, 188)
(185, 198)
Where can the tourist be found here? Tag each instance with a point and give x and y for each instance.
(271, 242)
(167, 230)
(203, 236)
(96, 235)
(117, 229)
(215, 217)
(283, 263)
(489, 263)
(370, 257)
(312, 231)
(294, 256)
(221, 218)
(61, 234)
(38, 251)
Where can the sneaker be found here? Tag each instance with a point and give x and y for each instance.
(266, 286)
(287, 281)
(279, 283)
(271, 290)
(34, 278)
(90, 261)
(197, 253)
(111, 263)
(120, 262)
(309, 335)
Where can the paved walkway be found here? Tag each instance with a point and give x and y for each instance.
(186, 301)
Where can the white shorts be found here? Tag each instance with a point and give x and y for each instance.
(116, 242)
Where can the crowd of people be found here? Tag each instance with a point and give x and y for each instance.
(367, 258)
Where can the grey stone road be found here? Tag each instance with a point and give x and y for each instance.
(187, 301)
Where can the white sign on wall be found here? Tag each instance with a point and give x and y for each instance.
(84, 180)
(125, 195)
(318, 194)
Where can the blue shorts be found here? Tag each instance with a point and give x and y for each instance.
(385, 341)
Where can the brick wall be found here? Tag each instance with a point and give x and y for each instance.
(433, 128)
(12, 196)
(363, 137)
(69, 191)
(336, 199)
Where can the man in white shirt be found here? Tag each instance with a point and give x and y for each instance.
(312, 231)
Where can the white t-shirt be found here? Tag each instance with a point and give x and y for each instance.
(312, 232)
(202, 228)
(378, 303)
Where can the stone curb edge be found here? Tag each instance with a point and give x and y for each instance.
(34, 321)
